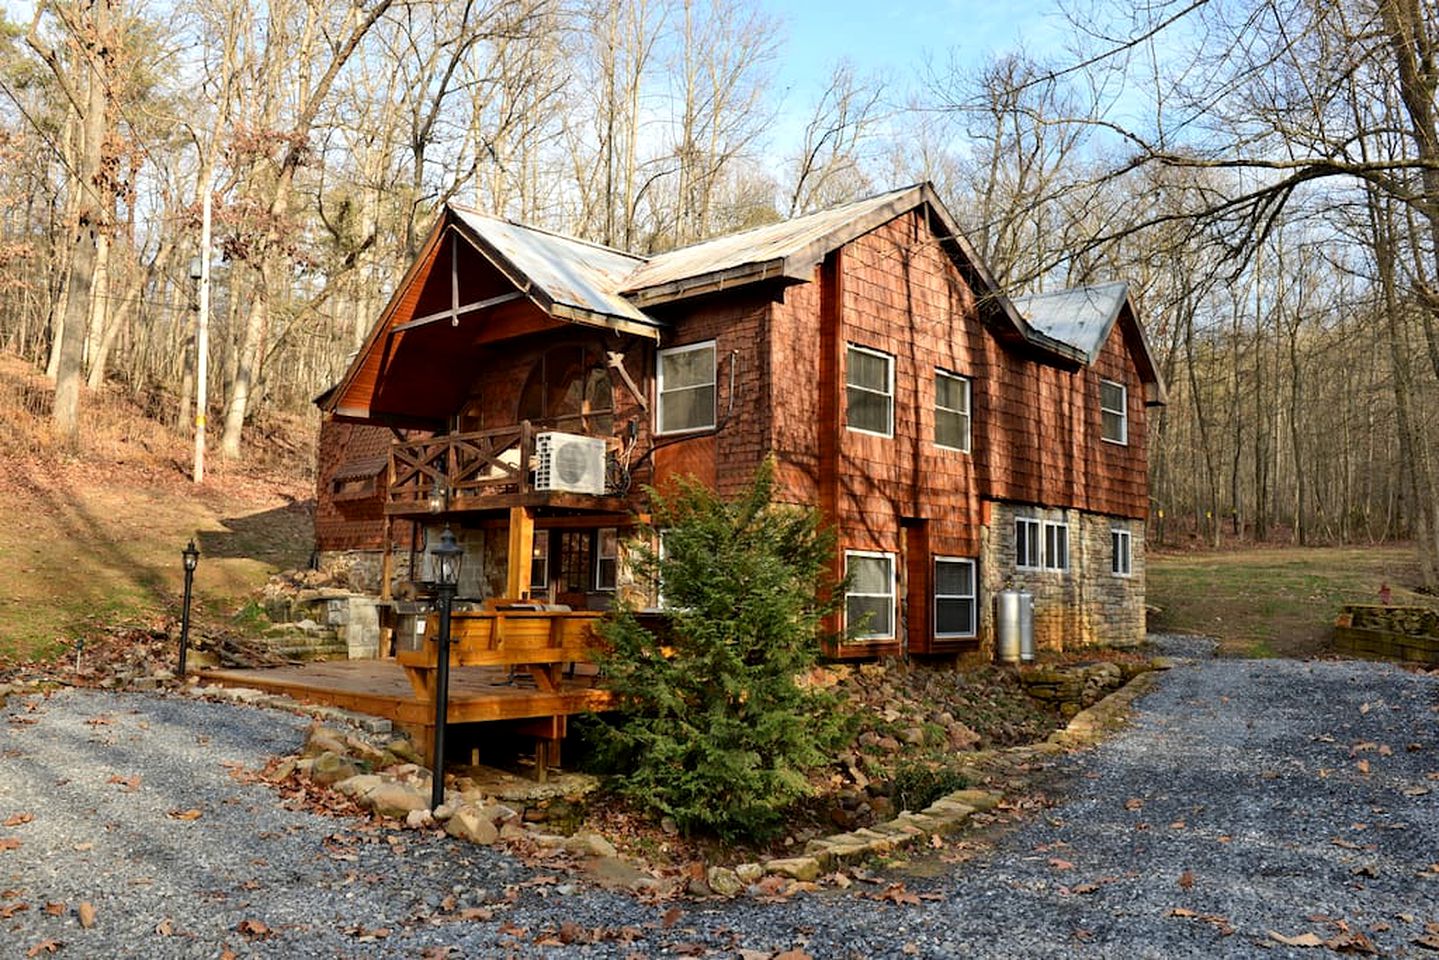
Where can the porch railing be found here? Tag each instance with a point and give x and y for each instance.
(457, 469)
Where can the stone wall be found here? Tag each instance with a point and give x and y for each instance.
(1083, 605)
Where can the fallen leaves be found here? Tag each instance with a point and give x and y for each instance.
(130, 783)
(1186, 880)
(1219, 923)
(86, 912)
(253, 930)
(18, 819)
(44, 946)
(9, 843)
(10, 909)
(1302, 940)
(191, 814)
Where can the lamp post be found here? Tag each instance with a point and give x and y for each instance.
(191, 558)
(448, 555)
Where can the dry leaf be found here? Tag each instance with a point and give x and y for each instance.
(1059, 864)
(1363, 766)
(1133, 803)
(9, 910)
(165, 928)
(1428, 941)
(44, 946)
(18, 819)
(795, 954)
(1364, 708)
(55, 907)
(671, 917)
(252, 930)
(1303, 940)
(1186, 880)
(86, 912)
(191, 814)
(9, 843)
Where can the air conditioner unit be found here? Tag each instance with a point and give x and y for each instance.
(565, 462)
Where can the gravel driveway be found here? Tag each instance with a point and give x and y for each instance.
(1247, 797)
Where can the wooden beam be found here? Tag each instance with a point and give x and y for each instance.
(522, 546)
(455, 313)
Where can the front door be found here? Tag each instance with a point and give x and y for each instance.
(573, 574)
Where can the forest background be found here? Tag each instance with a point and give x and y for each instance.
(1265, 173)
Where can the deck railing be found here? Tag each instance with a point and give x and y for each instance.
(434, 472)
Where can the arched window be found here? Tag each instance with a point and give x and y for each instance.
(569, 389)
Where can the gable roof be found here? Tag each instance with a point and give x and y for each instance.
(1083, 317)
(565, 275)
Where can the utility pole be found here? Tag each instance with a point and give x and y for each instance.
(202, 325)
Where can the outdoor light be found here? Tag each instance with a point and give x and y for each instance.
(197, 268)
(439, 497)
(448, 555)
(190, 556)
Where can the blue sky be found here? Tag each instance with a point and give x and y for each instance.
(896, 36)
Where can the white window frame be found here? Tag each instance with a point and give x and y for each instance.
(888, 395)
(1122, 412)
(1121, 558)
(966, 414)
(660, 356)
(892, 595)
(540, 554)
(601, 557)
(1050, 563)
(972, 597)
(1035, 558)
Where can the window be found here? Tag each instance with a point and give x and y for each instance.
(951, 411)
(1026, 543)
(869, 604)
(954, 604)
(1114, 410)
(1056, 546)
(607, 544)
(1121, 560)
(686, 386)
(568, 388)
(540, 562)
(869, 391)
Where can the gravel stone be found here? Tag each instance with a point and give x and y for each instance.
(1245, 797)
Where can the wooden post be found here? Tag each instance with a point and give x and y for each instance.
(522, 546)
(387, 560)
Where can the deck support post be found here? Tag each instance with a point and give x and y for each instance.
(521, 550)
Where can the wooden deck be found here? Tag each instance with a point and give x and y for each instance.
(381, 688)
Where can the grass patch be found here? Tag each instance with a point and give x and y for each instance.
(1274, 601)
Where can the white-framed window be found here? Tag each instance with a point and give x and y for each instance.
(954, 597)
(869, 604)
(869, 391)
(951, 411)
(1027, 554)
(1056, 546)
(607, 554)
(1114, 411)
(685, 388)
(1121, 560)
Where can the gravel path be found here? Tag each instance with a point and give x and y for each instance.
(1247, 797)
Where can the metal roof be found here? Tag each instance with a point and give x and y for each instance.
(1080, 316)
(566, 271)
(789, 248)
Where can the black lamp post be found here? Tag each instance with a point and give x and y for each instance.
(448, 555)
(191, 557)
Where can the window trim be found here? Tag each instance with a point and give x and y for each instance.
(1118, 535)
(601, 557)
(1122, 412)
(972, 597)
(889, 370)
(892, 596)
(967, 413)
(660, 386)
(1048, 561)
(1036, 561)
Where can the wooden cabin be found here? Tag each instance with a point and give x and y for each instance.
(523, 388)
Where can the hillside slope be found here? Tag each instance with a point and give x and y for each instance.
(90, 541)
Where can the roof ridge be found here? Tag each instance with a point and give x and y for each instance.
(545, 230)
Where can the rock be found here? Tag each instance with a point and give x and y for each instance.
(332, 768)
(888, 744)
(589, 844)
(443, 812)
(405, 750)
(513, 831)
(498, 813)
(369, 754)
(419, 819)
(961, 737)
(395, 799)
(468, 824)
(284, 769)
(668, 825)
(724, 881)
(914, 736)
(324, 740)
(752, 872)
(357, 786)
(796, 868)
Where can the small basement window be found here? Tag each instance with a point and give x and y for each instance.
(954, 597)
(1026, 543)
(869, 391)
(1056, 546)
(951, 411)
(1121, 562)
(869, 604)
(1114, 411)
